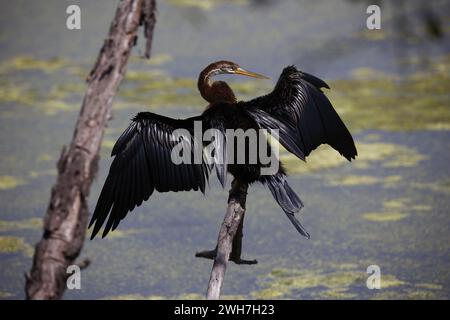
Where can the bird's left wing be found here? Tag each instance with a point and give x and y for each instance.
(303, 114)
(143, 164)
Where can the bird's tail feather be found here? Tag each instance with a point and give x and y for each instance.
(287, 199)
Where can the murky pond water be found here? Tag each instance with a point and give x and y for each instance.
(388, 208)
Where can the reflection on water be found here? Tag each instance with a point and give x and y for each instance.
(390, 207)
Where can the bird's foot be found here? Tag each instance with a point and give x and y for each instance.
(243, 261)
(207, 254)
(211, 254)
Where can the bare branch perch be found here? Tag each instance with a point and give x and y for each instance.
(236, 249)
(229, 242)
(66, 218)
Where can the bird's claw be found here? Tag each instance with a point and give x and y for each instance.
(211, 254)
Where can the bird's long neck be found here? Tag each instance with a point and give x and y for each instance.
(214, 91)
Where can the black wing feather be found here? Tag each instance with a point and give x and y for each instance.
(143, 163)
(306, 119)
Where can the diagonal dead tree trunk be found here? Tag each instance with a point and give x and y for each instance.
(67, 214)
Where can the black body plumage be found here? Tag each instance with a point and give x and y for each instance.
(142, 164)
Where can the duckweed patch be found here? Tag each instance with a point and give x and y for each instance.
(18, 93)
(368, 101)
(344, 283)
(65, 90)
(389, 281)
(108, 144)
(156, 60)
(44, 157)
(337, 293)
(384, 216)
(27, 62)
(17, 89)
(324, 157)
(371, 137)
(355, 180)
(33, 223)
(417, 102)
(438, 186)
(410, 293)
(15, 245)
(399, 203)
(377, 35)
(52, 107)
(42, 173)
(364, 180)
(408, 158)
(421, 207)
(430, 286)
(10, 182)
(233, 297)
(281, 283)
(395, 210)
(405, 204)
(189, 296)
(29, 96)
(118, 233)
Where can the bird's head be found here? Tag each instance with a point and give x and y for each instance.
(228, 67)
(220, 90)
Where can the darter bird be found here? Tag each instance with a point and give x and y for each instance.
(142, 163)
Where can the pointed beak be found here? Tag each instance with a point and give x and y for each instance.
(249, 74)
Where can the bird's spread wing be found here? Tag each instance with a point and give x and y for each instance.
(303, 114)
(143, 164)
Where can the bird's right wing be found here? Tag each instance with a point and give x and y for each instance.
(143, 164)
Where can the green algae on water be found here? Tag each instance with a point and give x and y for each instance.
(378, 101)
(324, 157)
(384, 216)
(10, 182)
(337, 293)
(438, 186)
(115, 234)
(27, 62)
(343, 283)
(32, 223)
(282, 283)
(9, 244)
(364, 180)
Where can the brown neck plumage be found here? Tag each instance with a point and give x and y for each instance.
(214, 91)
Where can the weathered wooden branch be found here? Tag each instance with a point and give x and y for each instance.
(67, 214)
(148, 19)
(229, 242)
(236, 249)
